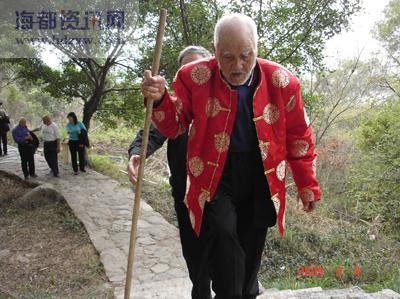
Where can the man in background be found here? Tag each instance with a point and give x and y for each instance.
(51, 143)
(4, 128)
(176, 153)
(26, 149)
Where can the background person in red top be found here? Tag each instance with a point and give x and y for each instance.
(247, 120)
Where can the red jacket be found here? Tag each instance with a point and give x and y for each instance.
(204, 99)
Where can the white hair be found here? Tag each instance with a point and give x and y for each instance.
(236, 18)
(193, 50)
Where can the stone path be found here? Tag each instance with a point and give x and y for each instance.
(104, 207)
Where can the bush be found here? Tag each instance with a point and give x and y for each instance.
(374, 183)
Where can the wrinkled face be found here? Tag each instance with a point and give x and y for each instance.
(190, 58)
(236, 54)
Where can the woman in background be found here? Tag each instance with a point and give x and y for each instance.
(74, 129)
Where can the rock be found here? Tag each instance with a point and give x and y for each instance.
(159, 268)
(4, 253)
(41, 195)
(21, 258)
(146, 241)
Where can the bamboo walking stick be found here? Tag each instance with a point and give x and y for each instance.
(143, 151)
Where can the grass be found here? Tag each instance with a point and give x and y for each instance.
(111, 141)
(109, 167)
(344, 245)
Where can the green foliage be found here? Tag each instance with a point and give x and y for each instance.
(196, 29)
(108, 167)
(29, 102)
(90, 72)
(68, 83)
(375, 180)
(115, 141)
(344, 246)
(102, 164)
(388, 29)
(292, 32)
(314, 103)
(124, 106)
(119, 102)
(388, 32)
(353, 86)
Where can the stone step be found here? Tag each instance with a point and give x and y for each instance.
(318, 293)
(276, 293)
(174, 288)
(353, 292)
(180, 289)
(388, 293)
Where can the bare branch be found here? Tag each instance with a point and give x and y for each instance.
(120, 89)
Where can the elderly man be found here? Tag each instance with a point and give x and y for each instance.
(176, 153)
(51, 143)
(23, 138)
(248, 120)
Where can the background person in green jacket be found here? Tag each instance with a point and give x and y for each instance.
(74, 128)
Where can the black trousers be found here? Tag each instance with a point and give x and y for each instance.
(232, 234)
(192, 250)
(51, 156)
(3, 140)
(26, 153)
(75, 150)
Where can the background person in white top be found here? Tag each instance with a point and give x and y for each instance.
(51, 143)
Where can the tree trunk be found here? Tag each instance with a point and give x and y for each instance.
(90, 108)
(87, 115)
(1, 78)
(94, 102)
(186, 30)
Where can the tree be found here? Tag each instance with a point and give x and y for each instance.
(92, 57)
(189, 23)
(388, 32)
(292, 32)
(354, 85)
(71, 84)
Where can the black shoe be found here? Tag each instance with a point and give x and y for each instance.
(26, 177)
(83, 170)
(5, 154)
(75, 173)
(34, 175)
(56, 175)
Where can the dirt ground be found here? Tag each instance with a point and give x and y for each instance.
(45, 252)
